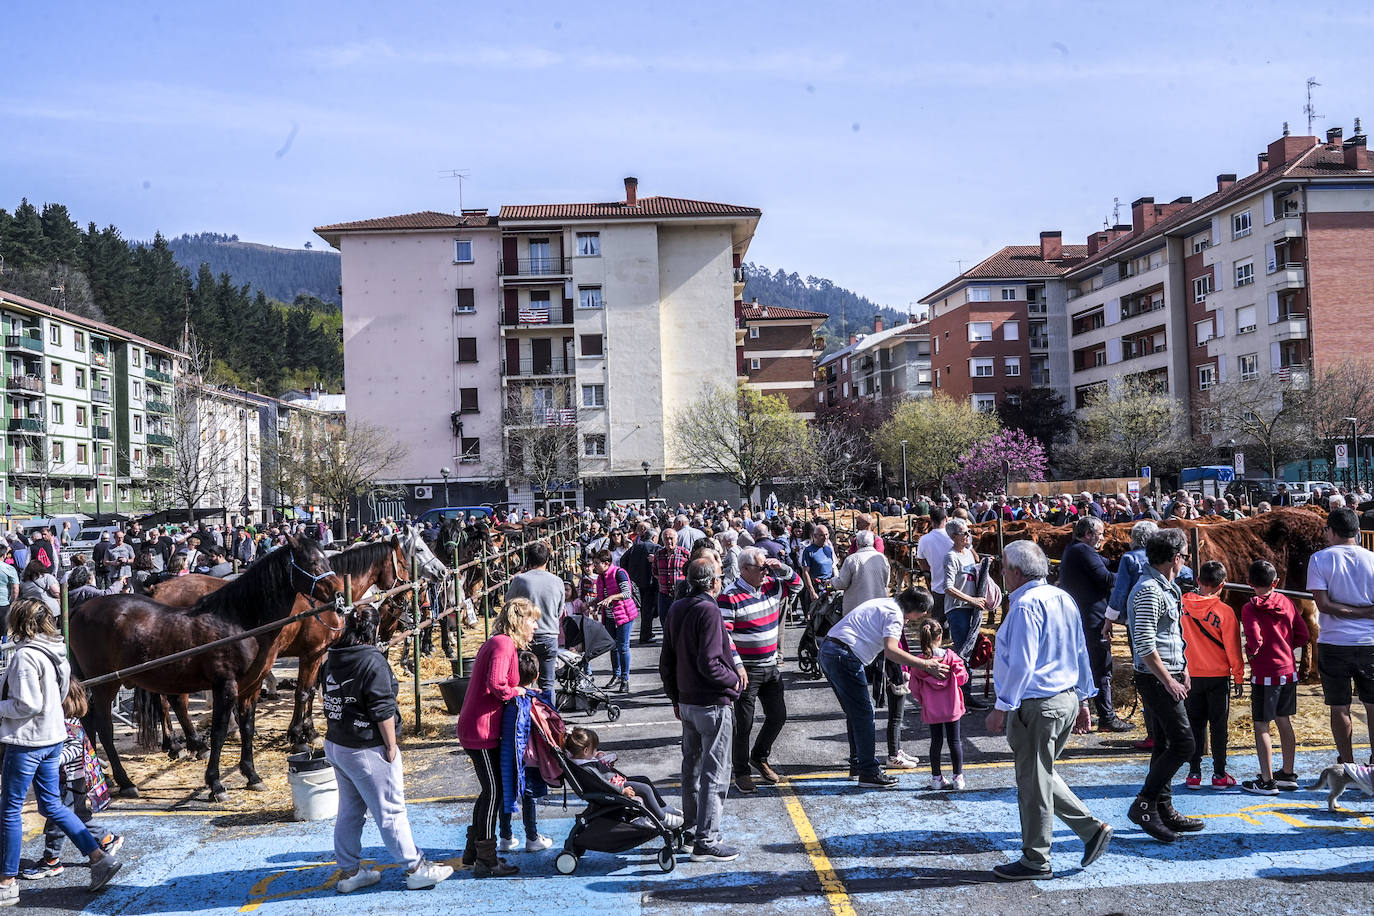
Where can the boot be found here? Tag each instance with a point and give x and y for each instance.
(488, 865)
(1145, 814)
(469, 851)
(1176, 822)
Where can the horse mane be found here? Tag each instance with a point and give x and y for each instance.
(360, 559)
(249, 599)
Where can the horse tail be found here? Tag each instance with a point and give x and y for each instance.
(148, 712)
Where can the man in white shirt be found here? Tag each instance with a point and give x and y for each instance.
(1042, 675)
(865, 572)
(1341, 580)
(931, 550)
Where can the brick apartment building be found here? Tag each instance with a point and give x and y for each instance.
(777, 351)
(886, 365)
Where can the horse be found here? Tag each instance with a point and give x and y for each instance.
(114, 632)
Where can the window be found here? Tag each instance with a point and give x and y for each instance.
(68, 492)
(1201, 243)
(593, 395)
(1206, 377)
(90, 493)
(58, 450)
(1201, 287)
(979, 330)
(594, 446)
(844, 365)
(467, 300)
(79, 341)
(80, 415)
(754, 332)
(80, 378)
(223, 436)
(138, 457)
(1206, 330)
(55, 335)
(57, 414)
(979, 294)
(1245, 319)
(137, 357)
(1245, 273)
(846, 389)
(138, 422)
(589, 244)
(937, 378)
(1008, 294)
(467, 349)
(592, 345)
(55, 373)
(106, 490)
(987, 403)
(20, 491)
(138, 391)
(1240, 225)
(462, 251)
(81, 453)
(1011, 330)
(589, 297)
(937, 346)
(1249, 367)
(981, 368)
(1012, 366)
(754, 364)
(467, 400)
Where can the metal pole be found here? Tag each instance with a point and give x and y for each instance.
(904, 487)
(66, 622)
(458, 627)
(486, 595)
(415, 638)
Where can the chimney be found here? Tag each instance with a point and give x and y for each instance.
(1225, 180)
(853, 339)
(877, 323)
(632, 192)
(1051, 246)
(1333, 137)
(1357, 153)
(1262, 163)
(1143, 214)
(1286, 147)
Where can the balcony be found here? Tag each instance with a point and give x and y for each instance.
(1037, 307)
(739, 277)
(1287, 276)
(530, 368)
(158, 375)
(1041, 377)
(100, 359)
(1039, 343)
(158, 406)
(25, 384)
(537, 315)
(1292, 328)
(1287, 226)
(1141, 307)
(104, 470)
(26, 425)
(24, 342)
(160, 472)
(101, 432)
(534, 268)
(100, 396)
(160, 439)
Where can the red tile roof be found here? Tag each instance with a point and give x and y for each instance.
(648, 207)
(89, 323)
(1017, 262)
(760, 312)
(425, 219)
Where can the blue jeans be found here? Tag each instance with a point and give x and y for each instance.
(36, 766)
(846, 675)
(963, 628)
(620, 652)
(528, 813)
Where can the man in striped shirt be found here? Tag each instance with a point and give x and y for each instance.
(752, 608)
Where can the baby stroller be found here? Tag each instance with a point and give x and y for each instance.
(823, 614)
(611, 822)
(575, 691)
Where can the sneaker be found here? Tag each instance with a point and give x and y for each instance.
(103, 871)
(766, 773)
(957, 783)
(1194, 781)
(1258, 786)
(718, 853)
(672, 820)
(937, 783)
(363, 877)
(427, 874)
(538, 843)
(1096, 845)
(45, 868)
(1223, 781)
(900, 761)
(9, 895)
(110, 845)
(880, 781)
(1115, 725)
(853, 772)
(1286, 781)
(976, 702)
(508, 844)
(745, 783)
(1015, 871)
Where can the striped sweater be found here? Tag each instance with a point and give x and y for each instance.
(754, 615)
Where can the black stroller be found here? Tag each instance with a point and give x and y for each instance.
(823, 614)
(611, 822)
(575, 691)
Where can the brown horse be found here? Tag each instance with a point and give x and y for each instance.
(115, 632)
(380, 563)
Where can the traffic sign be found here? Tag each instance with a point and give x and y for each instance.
(1342, 456)
(1145, 472)
(1240, 464)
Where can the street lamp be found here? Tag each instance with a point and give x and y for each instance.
(644, 466)
(1355, 451)
(904, 493)
(444, 472)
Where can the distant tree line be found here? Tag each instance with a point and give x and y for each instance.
(281, 273)
(849, 312)
(254, 341)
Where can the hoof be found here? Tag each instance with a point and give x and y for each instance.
(128, 791)
(300, 747)
(221, 796)
(258, 786)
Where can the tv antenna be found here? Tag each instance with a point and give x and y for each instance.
(462, 175)
(960, 262)
(1308, 109)
(1116, 211)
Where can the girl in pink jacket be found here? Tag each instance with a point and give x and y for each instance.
(942, 704)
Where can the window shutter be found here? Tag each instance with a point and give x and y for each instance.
(1221, 323)
(1268, 209)
(1216, 230)
(1274, 357)
(1112, 313)
(1114, 350)
(1273, 304)
(1221, 370)
(1269, 258)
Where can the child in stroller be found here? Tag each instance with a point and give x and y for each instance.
(823, 614)
(575, 689)
(621, 813)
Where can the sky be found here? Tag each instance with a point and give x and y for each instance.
(887, 144)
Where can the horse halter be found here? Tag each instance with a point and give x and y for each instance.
(314, 580)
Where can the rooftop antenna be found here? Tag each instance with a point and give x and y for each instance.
(1308, 109)
(960, 262)
(1116, 211)
(462, 175)
(61, 291)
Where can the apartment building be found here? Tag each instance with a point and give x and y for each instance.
(290, 428)
(590, 318)
(888, 364)
(777, 349)
(218, 453)
(993, 327)
(88, 414)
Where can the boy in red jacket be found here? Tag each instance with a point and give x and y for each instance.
(1273, 630)
(1211, 636)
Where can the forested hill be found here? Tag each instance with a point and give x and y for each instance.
(849, 312)
(281, 273)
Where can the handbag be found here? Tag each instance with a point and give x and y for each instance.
(982, 653)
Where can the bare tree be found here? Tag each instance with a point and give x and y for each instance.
(347, 466)
(201, 451)
(841, 457)
(1265, 413)
(936, 431)
(541, 437)
(1337, 393)
(739, 433)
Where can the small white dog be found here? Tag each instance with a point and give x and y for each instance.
(1338, 776)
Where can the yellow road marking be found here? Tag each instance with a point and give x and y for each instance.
(835, 891)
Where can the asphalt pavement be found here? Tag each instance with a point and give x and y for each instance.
(815, 843)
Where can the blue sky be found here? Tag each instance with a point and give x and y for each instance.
(883, 142)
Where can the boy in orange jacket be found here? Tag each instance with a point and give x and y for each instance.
(1211, 635)
(1273, 630)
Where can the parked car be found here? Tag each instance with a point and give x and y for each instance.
(85, 541)
(471, 513)
(1304, 490)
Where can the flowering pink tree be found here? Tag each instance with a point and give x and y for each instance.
(981, 468)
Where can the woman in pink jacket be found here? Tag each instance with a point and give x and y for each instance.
(615, 600)
(942, 704)
(495, 681)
